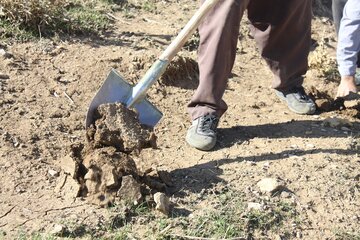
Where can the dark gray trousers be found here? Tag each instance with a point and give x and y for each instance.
(282, 31)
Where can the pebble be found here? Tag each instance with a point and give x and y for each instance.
(5, 54)
(53, 173)
(270, 185)
(58, 230)
(4, 76)
(162, 202)
(255, 206)
(309, 145)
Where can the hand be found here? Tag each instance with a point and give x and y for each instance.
(346, 87)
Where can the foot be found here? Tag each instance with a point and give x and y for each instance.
(202, 132)
(357, 77)
(297, 100)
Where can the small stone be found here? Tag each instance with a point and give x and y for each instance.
(4, 76)
(90, 175)
(4, 53)
(255, 206)
(285, 194)
(266, 165)
(53, 173)
(270, 185)
(336, 122)
(162, 202)
(58, 230)
(309, 145)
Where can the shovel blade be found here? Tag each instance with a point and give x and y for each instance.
(116, 90)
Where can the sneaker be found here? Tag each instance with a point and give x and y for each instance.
(357, 77)
(202, 132)
(297, 100)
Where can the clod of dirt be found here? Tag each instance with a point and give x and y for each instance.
(324, 101)
(105, 169)
(69, 166)
(67, 187)
(130, 190)
(119, 127)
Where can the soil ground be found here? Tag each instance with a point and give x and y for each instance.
(51, 83)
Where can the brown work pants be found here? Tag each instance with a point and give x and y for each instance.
(282, 31)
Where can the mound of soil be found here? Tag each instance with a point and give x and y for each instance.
(104, 169)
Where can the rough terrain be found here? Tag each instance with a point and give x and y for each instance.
(50, 83)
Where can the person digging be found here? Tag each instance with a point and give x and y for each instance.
(282, 31)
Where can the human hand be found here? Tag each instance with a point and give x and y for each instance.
(347, 87)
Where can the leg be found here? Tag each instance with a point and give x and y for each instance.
(283, 35)
(283, 40)
(217, 50)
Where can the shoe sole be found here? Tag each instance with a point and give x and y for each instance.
(195, 144)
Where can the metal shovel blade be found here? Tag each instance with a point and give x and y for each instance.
(116, 90)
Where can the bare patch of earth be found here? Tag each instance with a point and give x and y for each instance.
(51, 83)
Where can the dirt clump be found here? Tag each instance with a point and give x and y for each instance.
(104, 168)
(119, 127)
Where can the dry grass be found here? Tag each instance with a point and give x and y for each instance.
(323, 63)
(33, 12)
(49, 17)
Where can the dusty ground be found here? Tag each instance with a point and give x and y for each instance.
(51, 83)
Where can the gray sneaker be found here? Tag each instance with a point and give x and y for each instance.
(297, 100)
(202, 132)
(357, 77)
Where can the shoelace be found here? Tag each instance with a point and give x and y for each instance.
(207, 123)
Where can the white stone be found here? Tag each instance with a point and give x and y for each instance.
(270, 185)
(162, 202)
(58, 230)
(255, 206)
(53, 173)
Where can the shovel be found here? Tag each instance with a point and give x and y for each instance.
(116, 90)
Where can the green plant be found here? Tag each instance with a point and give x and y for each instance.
(148, 6)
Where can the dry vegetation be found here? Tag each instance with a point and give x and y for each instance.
(24, 19)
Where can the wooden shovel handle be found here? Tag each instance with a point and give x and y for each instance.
(187, 31)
